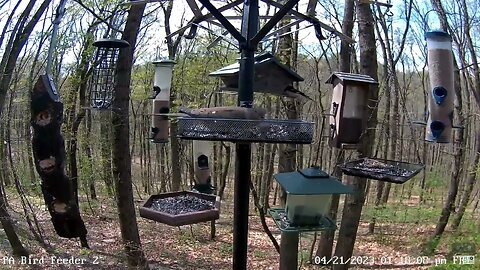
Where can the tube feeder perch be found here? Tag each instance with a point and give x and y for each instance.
(347, 110)
(161, 100)
(202, 151)
(309, 195)
(181, 208)
(441, 100)
(102, 82)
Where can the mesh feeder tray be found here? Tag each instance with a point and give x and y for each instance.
(246, 130)
(382, 169)
(181, 208)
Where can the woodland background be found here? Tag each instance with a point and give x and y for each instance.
(394, 221)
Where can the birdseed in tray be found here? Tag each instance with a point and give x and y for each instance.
(181, 204)
(381, 169)
(246, 130)
(280, 218)
(181, 208)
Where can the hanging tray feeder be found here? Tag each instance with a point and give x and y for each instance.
(382, 169)
(246, 130)
(181, 208)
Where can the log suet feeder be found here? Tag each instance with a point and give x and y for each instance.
(309, 194)
(347, 109)
(442, 95)
(161, 100)
(102, 81)
(49, 158)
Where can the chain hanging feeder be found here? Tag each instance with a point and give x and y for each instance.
(102, 82)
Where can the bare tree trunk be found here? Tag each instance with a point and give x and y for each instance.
(106, 151)
(354, 203)
(121, 143)
(325, 245)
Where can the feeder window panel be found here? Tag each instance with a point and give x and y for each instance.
(353, 106)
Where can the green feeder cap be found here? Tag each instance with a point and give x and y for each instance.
(311, 181)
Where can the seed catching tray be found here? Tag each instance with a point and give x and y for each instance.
(382, 169)
(245, 130)
(281, 220)
(181, 208)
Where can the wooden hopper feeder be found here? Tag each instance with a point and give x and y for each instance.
(347, 111)
(271, 76)
(181, 208)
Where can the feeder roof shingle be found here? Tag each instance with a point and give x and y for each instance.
(351, 77)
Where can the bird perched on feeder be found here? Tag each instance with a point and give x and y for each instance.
(156, 91)
(290, 91)
(229, 112)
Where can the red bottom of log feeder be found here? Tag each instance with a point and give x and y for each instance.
(181, 208)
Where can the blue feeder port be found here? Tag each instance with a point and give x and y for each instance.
(439, 94)
(437, 127)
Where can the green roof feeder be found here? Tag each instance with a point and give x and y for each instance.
(309, 194)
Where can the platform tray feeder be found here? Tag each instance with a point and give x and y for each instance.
(246, 130)
(381, 169)
(181, 208)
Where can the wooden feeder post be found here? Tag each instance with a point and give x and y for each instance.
(161, 102)
(440, 103)
(347, 119)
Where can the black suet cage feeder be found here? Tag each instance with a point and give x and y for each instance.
(102, 82)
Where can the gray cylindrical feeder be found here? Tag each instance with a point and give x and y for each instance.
(441, 100)
(102, 82)
(202, 151)
(161, 102)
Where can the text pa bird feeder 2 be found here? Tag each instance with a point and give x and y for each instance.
(181, 208)
(309, 194)
(161, 100)
(102, 82)
(202, 168)
(440, 104)
(347, 110)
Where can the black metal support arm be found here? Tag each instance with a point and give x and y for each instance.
(205, 17)
(312, 20)
(272, 22)
(224, 21)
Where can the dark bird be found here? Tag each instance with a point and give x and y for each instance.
(156, 91)
(289, 91)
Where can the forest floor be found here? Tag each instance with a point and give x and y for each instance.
(392, 246)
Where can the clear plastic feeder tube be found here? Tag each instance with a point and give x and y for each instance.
(202, 151)
(161, 102)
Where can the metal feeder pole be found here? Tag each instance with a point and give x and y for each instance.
(243, 150)
(248, 40)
